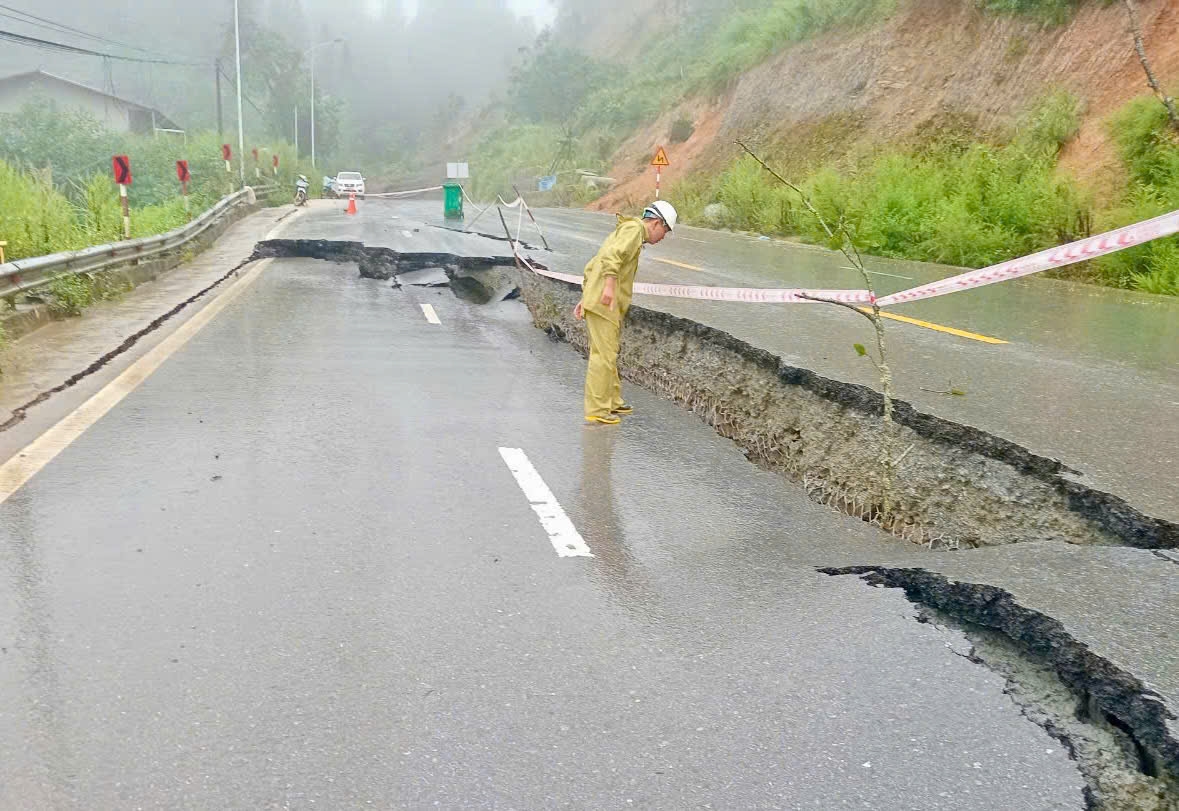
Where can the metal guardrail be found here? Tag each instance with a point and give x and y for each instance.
(24, 275)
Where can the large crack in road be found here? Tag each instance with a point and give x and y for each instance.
(961, 485)
(961, 488)
(1116, 728)
(958, 486)
(375, 262)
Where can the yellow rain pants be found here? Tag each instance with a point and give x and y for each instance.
(603, 388)
(618, 258)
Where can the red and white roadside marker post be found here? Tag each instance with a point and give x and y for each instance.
(257, 168)
(274, 162)
(183, 175)
(126, 212)
(122, 168)
(659, 161)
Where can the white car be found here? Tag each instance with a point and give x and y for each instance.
(348, 183)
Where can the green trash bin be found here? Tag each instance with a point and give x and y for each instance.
(454, 201)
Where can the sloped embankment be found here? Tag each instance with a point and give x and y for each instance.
(956, 486)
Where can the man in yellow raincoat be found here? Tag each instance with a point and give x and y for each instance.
(606, 293)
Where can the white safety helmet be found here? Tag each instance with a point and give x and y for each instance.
(663, 210)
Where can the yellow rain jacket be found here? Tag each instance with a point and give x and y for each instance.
(619, 258)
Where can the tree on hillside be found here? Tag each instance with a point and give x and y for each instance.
(553, 81)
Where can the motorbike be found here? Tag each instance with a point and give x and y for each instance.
(301, 186)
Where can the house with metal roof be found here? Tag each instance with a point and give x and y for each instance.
(117, 114)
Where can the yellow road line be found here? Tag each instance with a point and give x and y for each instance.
(677, 264)
(986, 339)
(41, 451)
(961, 333)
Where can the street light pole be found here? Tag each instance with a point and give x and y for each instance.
(241, 132)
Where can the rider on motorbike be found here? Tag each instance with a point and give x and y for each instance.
(301, 186)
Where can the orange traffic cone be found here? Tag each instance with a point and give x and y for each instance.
(352, 203)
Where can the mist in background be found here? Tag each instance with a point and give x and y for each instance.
(404, 73)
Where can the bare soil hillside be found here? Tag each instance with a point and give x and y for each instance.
(932, 60)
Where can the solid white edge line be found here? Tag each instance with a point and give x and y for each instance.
(566, 540)
(29, 460)
(41, 451)
(431, 316)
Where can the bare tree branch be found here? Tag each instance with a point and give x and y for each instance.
(847, 245)
(848, 248)
(866, 313)
(1140, 47)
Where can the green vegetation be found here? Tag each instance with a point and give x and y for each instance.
(57, 193)
(718, 42)
(519, 154)
(1150, 150)
(745, 39)
(571, 96)
(69, 295)
(954, 200)
(554, 83)
(681, 130)
(949, 200)
(34, 218)
(1051, 11)
(951, 195)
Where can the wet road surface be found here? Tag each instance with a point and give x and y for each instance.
(292, 569)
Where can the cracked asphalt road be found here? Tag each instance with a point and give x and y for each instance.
(291, 569)
(1075, 354)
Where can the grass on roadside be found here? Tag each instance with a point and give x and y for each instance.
(948, 200)
(1149, 148)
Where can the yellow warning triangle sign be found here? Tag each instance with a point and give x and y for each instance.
(661, 158)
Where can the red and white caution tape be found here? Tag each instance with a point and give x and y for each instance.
(405, 193)
(753, 295)
(1090, 248)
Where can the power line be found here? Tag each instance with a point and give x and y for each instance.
(61, 47)
(230, 79)
(40, 22)
(63, 30)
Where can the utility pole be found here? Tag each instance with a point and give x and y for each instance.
(241, 131)
(296, 134)
(313, 108)
(217, 74)
(311, 51)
